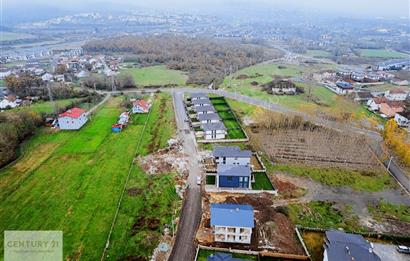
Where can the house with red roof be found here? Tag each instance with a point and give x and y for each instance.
(72, 119)
(140, 106)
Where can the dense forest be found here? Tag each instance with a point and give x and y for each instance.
(204, 59)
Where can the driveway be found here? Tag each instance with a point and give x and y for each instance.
(184, 246)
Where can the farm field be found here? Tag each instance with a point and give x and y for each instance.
(10, 36)
(318, 53)
(381, 53)
(156, 75)
(71, 181)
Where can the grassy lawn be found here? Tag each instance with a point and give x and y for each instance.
(385, 210)
(203, 255)
(224, 111)
(10, 36)
(381, 53)
(210, 180)
(360, 181)
(72, 180)
(319, 53)
(320, 214)
(261, 182)
(156, 75)
(46, 106)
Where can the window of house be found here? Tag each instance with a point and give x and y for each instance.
(229, 178)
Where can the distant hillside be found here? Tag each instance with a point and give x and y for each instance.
(205, 60)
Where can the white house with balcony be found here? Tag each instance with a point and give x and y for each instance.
(232, 155)
(232, 223)
(214, 131)
(209, 118)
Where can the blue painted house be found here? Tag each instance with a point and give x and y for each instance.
(232, 223)
(233, 176)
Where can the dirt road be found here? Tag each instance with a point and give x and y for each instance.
(184, 246)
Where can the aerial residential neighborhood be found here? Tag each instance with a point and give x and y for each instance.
(205, 130)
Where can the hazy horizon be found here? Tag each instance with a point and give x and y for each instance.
(363, 8)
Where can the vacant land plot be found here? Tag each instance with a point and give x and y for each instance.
(385, 210)
(318, 53)
(71, 181)
(273, 230)
(156, 75)
(318, 214)
(46, 106)
(381, 53)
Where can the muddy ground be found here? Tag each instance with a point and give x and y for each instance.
(273, 230)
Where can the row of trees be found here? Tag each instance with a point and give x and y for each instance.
(23, 85)
(205, 60)
(396, 139)
(14, 128)
(102, 82)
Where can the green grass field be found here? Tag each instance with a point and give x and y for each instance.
(10, 36)
(156, 75)
(319, 214)
(45, 106)
(262, 182)
(381, 53)
(232, 125)
(318, 53)
(385, 210)
(360, 181)
(72, 180)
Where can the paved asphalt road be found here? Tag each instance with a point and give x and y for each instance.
(184, 247)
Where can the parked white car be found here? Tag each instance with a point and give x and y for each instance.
(198, 180)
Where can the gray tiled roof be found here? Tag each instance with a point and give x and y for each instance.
(231, 151)
(199, 95)
(208, 116)
(205, 108)
(213, 126)
(202, 101)
(233, 170)
(344, 246)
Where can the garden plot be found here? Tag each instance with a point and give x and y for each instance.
(274, 232)
(229, 120)
(320, 147)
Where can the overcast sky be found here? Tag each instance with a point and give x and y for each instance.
(387, 8)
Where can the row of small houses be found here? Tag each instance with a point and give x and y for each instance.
(207, 117)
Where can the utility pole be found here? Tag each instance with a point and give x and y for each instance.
(388, 165)
(50, 96)
(113, 87)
